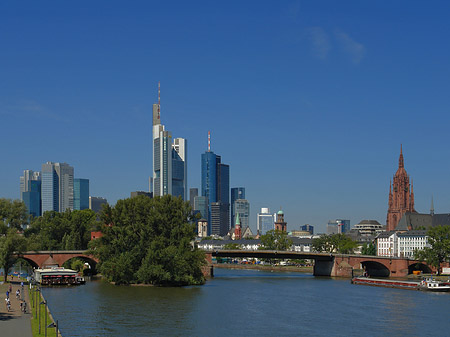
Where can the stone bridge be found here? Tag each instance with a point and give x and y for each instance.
(339, 265)
(38, 259)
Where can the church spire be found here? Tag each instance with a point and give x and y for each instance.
(401, 164)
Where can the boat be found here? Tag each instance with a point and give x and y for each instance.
(58, 276)
(386, 283)
(430, 284)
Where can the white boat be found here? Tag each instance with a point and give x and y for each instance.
(431, 284)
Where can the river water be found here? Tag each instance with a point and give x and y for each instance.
(249, 302)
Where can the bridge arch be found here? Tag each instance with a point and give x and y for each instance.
(32, 263)
(419, 266)
(84, 258)
(375, 269)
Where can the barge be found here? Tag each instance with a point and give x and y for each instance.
(428, 284)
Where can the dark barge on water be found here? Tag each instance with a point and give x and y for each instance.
(428, 284)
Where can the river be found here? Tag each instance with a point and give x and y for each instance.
(249, 302)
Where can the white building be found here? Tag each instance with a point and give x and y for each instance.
(265, 221)
(387, 244)
(410, 241)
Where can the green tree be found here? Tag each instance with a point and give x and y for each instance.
(13, 213)
(275, 240)
(11, 243)
(149, 241)
(439, 240)
(334, 243)
(369, 249)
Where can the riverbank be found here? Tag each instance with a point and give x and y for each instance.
(305, 269)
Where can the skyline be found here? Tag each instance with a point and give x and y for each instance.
(307, 102)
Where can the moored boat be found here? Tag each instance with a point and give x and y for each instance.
(386, 283)
(430, 284)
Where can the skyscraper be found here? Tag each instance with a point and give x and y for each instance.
(236, 193)
(242, 209)
(57, 187)
(193, 192)
(95, 203)
(216, 188)
(80, 194)
(30, 192)
(264, 221)
(169, 159)
(28, 175)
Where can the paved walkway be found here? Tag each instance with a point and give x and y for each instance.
(14, 323)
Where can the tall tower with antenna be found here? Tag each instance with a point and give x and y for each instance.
(169, 174)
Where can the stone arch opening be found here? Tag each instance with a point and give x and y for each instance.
(375, 269)
(92, 264)
(420, 267)
(31, 262)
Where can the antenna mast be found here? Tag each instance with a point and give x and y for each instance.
(209, 141)
(159, 99)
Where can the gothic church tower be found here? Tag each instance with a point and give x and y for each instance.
(401, 196)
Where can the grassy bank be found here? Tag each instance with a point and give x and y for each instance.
(40, 312)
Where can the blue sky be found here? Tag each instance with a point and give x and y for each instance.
(307, 101)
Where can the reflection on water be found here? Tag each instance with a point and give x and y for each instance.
(242, 303)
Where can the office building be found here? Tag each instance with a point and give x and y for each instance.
(57, 187)
(242, 209)
(28, 176)
(32, 198)
(80, 194)
(264, 221)
(95, 203)
(136, 193)
(179, 168)
(201, 206)
(169, 159)
(236, 193)
(338, 226)
(193, 192)
(307, 228)
(216, 188)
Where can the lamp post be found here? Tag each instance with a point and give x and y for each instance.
(54, 325)
(43, 302)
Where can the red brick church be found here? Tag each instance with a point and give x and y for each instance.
(401, 196)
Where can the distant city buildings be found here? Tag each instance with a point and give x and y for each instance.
(80, 194)
(169, 159)
(216, 188)
(136, 193)
(264, 221)
(280, 224)
(338, 226)
(242, 209)
(307, 228)
(95, 203)
(57, 187)
(193, 192)
(30, 192)
(201, 206)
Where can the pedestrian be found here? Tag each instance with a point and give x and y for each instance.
(17, 293)
(24, 307)
(10, 288)
(21, 284)
(7, 293)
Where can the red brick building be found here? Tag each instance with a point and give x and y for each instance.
(401, 196)
(280, 224)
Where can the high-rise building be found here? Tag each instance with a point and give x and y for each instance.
(242, 209)
(236, 193)
(80, 194)
(193, 192)
(32, 198)
(401, 199)
(201, 206)
(216, 188)
(343, 226)
(95, 203)
(28, 176)
(57, 187)
(264, 221)
(307, 228)
(179, 168)
(169, 159)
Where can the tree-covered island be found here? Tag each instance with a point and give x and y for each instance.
(149, 241)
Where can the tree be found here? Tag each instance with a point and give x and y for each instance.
(334, 243)
(369, 249)
(275, 240)
(439, 240)
(149, 241)
(11, 243)
(13, 213)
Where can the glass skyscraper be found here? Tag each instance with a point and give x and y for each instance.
(236, 193)
(57, 187)
(80, 194)
(32, 198)
(242, 208)
(216, 188)
(265, 221)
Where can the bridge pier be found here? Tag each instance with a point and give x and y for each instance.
(323, 268)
